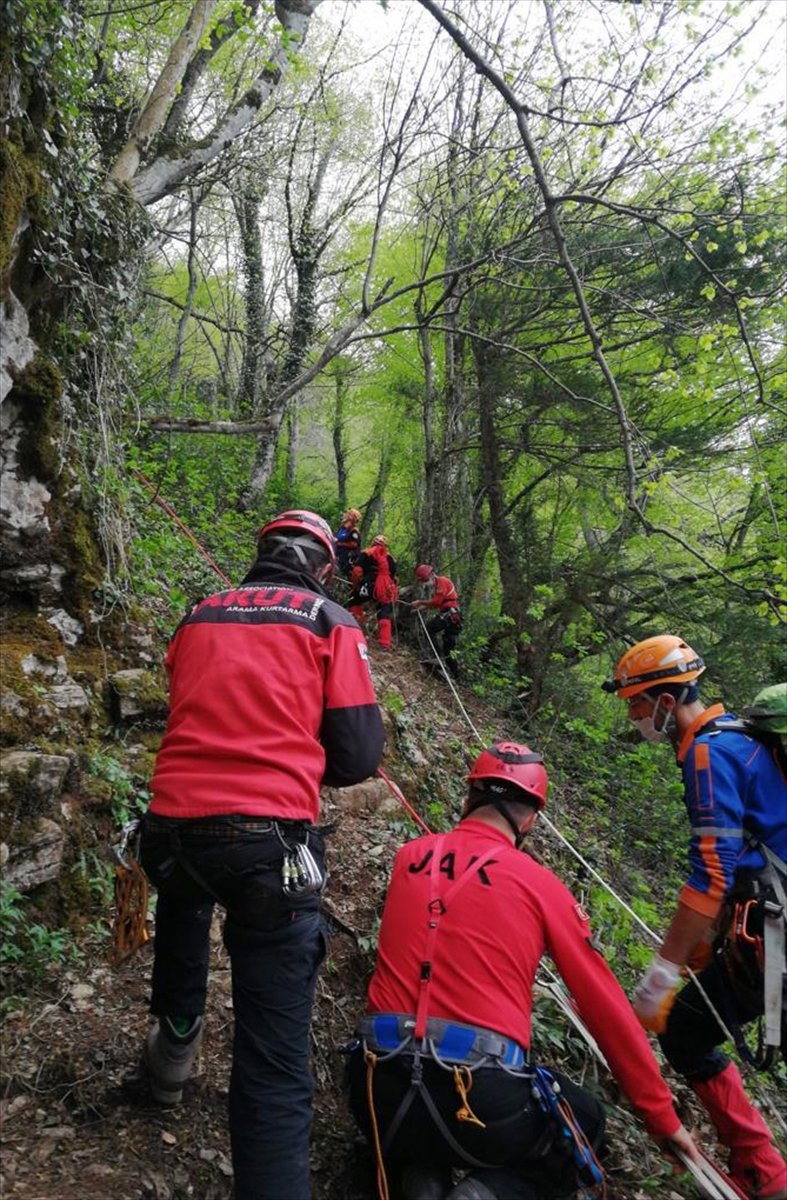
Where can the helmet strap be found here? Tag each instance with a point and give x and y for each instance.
(505, 812)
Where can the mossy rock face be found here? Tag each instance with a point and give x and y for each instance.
(21, 188)
(30, 783)
(37, 390)
(136, 695)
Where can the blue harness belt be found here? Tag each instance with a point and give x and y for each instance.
(445, 1041)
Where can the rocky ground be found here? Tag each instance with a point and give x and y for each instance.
(77, 1125)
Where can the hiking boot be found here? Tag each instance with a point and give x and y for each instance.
(169, 1057)
(422, 1181)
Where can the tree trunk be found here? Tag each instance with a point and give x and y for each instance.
(292, 454)
(153, 115)
(339, 450)
(307, 245)
(252, 382)
(513, 601)
(183, 320)
(427, 532)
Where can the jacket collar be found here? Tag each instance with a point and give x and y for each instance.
(698, 724)
(266, 570)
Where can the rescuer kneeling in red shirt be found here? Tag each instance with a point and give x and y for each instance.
(443, 596)
(441, 1075)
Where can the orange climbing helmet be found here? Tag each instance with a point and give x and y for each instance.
(352, 515)
(514, 766)
(296, 528)
(661, 659)
(424, 572)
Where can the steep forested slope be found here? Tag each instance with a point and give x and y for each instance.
(80, 1126)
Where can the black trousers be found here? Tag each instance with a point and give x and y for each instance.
(515, 1127)
(733, 983)
(448, 624)
(276, 944)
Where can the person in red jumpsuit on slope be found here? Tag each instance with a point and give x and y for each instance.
(444, 1048)
(374, 579)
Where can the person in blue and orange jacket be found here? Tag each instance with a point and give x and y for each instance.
(374, 579)
(448, 620)
(270, 698)
(347, 542)
(729, 924)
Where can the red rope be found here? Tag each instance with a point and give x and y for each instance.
(174, 516)
(397, 791)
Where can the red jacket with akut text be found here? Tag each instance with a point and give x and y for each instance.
(270, 697)
(491, 937)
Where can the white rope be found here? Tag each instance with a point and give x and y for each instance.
(448, 679)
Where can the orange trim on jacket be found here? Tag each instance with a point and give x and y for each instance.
(708, 714)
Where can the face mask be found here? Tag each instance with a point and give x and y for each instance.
(649, 732)
(648, 729)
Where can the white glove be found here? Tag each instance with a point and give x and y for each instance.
(654, 995)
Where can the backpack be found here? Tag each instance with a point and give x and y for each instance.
(386, 589)
(750, 728)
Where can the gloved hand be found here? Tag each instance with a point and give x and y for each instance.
(655, 994)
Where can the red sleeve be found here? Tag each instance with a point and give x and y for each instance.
(352, 731)
(605, 1009)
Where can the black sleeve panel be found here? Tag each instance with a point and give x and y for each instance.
(353, 739)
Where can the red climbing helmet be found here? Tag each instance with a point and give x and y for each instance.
(516, 766)
(300, 524)
(424, 572)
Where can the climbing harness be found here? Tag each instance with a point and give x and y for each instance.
(129, 926)
(755, 938)
(461, 1050)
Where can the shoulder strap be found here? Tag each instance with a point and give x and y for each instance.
(770, 741)
(437, 907)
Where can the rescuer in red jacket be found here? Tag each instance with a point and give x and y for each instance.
(270, 697)
(448, 620)
(374, 578)
(444, 1047)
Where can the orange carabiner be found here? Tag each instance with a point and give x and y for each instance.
(742, 923)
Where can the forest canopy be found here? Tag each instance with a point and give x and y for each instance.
(507, 277)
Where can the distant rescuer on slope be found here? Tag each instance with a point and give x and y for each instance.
(375, 580)
(729, 925)
(270, 697)
(448, 619)
(348, 542)
(444, 1047)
